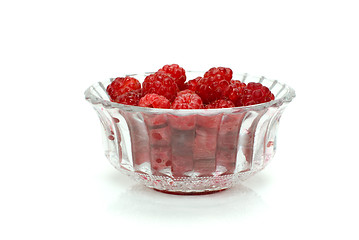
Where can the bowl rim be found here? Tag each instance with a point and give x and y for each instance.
(285, 98)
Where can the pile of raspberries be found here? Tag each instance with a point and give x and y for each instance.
(167, 88)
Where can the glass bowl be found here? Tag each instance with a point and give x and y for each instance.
(190, 151)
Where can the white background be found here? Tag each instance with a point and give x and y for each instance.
(55, 182)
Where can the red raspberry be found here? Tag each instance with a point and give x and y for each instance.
(237, 84)
(160, 83)
(122, 85)
(187, 101)
(182, 123)
(178, 74)
(154, 100)
(236, 91)
(185, 92)
(255, 93)
(130, 98)
(160, 158)
(192, 84)
(212, 88)
(226, 73)
(220, 103)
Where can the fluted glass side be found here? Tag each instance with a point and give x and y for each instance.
(190, 150)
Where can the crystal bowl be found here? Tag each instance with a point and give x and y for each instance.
(190, 151)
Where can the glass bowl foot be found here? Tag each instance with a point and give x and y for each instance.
(189, 193)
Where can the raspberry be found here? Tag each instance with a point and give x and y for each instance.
(255, 93)
(160, 83)
(192, 84)
(187, 101)
(153, 100)
(185, 92)
(130, 98)
(236, 91)
(226, 73)
(212, 88)
(178, 74)
(182, 123)
(160, 158)
(220, 103)
(122, 85)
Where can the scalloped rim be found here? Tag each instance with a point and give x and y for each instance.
(286, 98)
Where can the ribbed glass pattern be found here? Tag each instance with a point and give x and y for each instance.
(190, 151)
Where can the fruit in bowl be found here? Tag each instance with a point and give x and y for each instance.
(188, 132)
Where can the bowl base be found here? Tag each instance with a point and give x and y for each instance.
(189, 193)
(191, 185)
